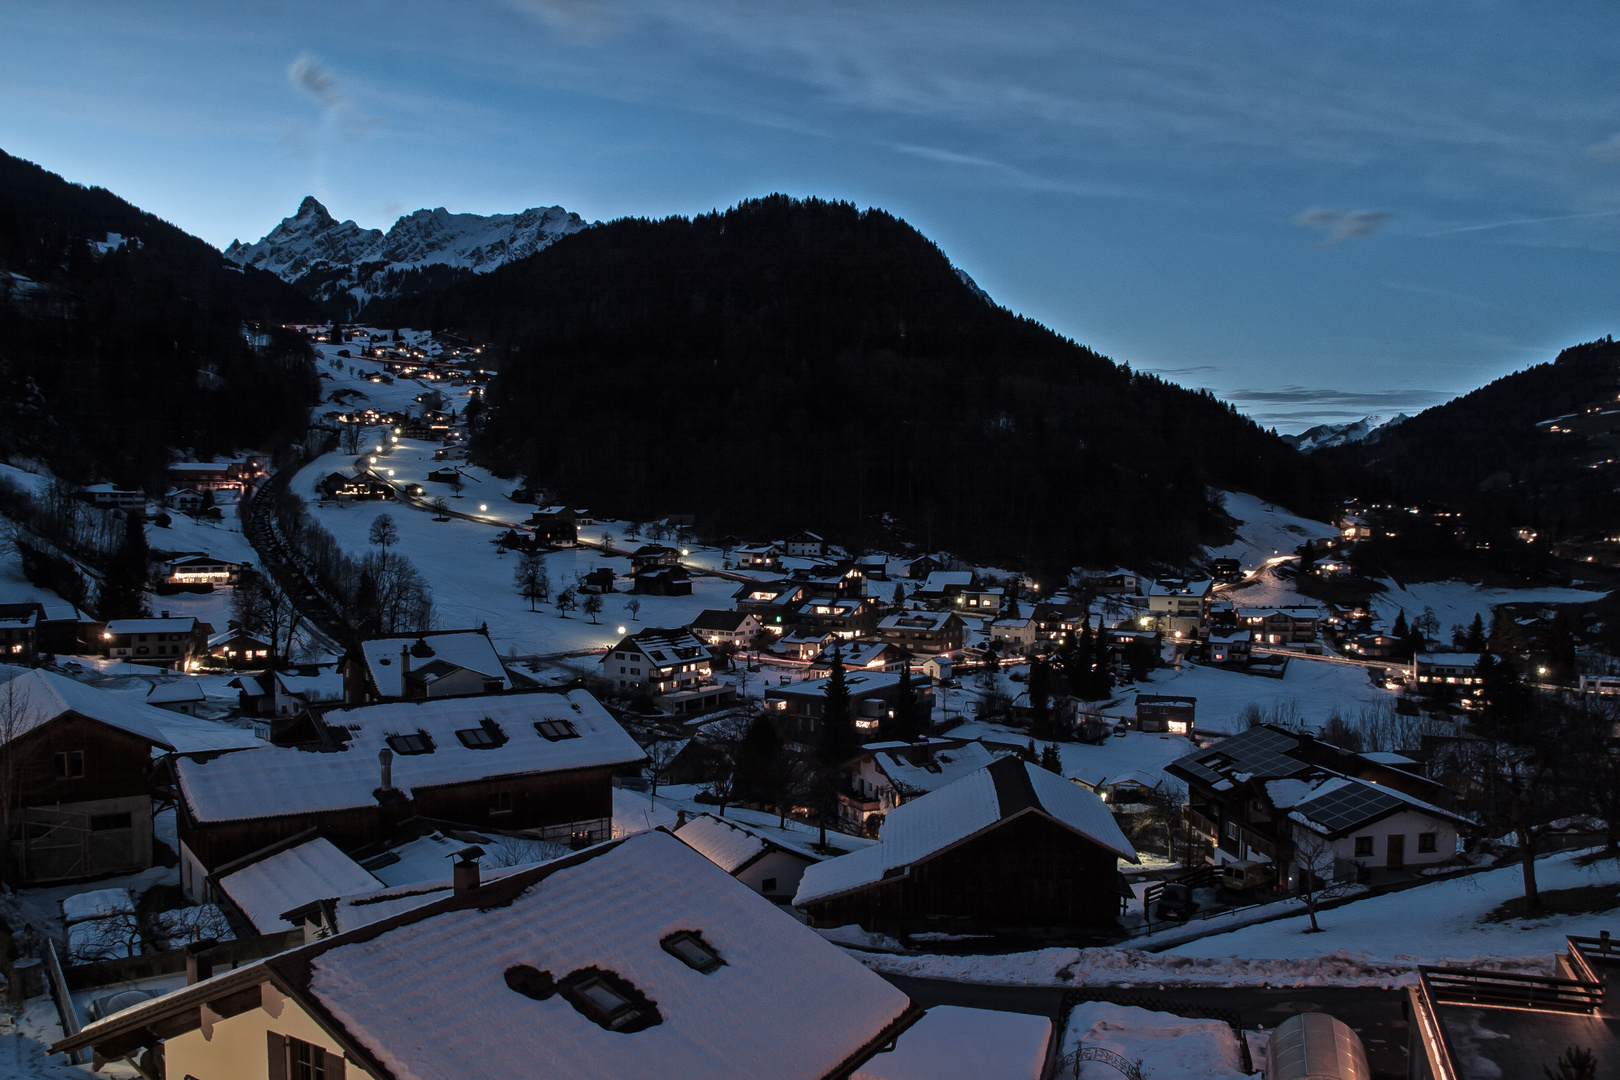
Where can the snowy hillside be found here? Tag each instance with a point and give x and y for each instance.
(1265, 530)
(1367, 429)
(328, 257)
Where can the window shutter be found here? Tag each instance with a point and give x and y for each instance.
(334, 1066)
(277, 1055)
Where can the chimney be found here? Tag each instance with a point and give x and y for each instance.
(465, 877)
(386, 756)
(165, 614)
(199, 965)
(404, 671)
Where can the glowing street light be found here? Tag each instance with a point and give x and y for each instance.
(483, 507)
(685, 551)
(379, 448)
(374, 458)
(621, 629)
(390, 472)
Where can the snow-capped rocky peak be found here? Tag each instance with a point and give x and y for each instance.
(326, 257)
(1367, 429)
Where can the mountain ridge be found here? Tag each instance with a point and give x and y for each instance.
(344, 266)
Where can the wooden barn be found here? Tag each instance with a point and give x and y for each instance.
(1010, 845)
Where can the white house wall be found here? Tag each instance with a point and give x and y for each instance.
(238, 1047)
(785, 868)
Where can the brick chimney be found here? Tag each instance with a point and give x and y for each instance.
(386, 756)
(404, 670)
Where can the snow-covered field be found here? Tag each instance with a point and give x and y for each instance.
(1314, 689)
(1266, 530)
(1457, 602)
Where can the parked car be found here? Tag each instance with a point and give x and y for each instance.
(1246, 876)
(1176, 902)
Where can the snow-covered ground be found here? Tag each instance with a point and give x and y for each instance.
(1136, 755)
(1457, 602)
(1266, 530)
(1164, 1044)
(1449, 928)
(1312, 689)
(1378, 941)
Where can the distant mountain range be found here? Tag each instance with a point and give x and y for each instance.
(1322, 436)
(343, 266)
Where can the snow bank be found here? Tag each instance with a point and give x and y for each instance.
(1166, 1044)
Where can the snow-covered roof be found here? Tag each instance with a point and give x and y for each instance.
(151, 626)
(924, 827)
(942, 767)
(223, 636)
(177, 692)
(727, 844)
(1335, 805)
(49, 695)
(940, 580)
(439, 991)
(953, 1042)
(313, 870)
(327, 685)
(274, 781)
(470, 649)
(916, 620)
(856, 654)
(859, 683)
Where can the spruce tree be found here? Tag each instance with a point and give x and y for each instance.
(123, 587)
(1474, 641)
(1040, 708)
(758, 757)
(838, 740)
(907, 722)
(1102, 671)
(1051, 760)
(1399, 630)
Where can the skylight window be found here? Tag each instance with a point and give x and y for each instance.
(417, 742)
(689, 948)
(486, 736)
(553, 730)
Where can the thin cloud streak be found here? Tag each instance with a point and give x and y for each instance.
(1520, 221)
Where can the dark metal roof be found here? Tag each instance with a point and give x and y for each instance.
(1350, 806)
(1262, 752)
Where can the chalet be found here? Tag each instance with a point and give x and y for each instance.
(803, 644)
(1165, 715)
(202, 570)
(1229, 647)
(663, 581)
(164, 641)
(185, 500)
(107, 495)
(758, 557)
(805, 545)
(348, 488)
(944, 586)
(673, 667)
(1013, 636)
(1447, 674)
(938, 669)
(430, 664)
(293, 691)
(949, 855)
(920, 568)
(1177, 608)
(796, 709)
(217, 475)
(19, 633)
(566, 958)
(887, 774)
(1281, 627)
(875, 567)
(1106, 582)
(923, 632)
(653, 557)
(1357, 826)
(766, 860)
(1226, 571)
(859, 655)
(1329, 567)
(1233, 788)
(1370, 646)
(977, 601)
(446, 476)
(555, 525)
(599, 580)
(538, 761)
(1059, 620)
(734, 628)
(772, 602)
(239, 649)
(847, 617)
(81, 802)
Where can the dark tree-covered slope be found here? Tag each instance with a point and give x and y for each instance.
(790, 364)
(110, 360)
(1532, 449)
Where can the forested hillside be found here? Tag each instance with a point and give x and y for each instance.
(1535, 449)
(791, 364)
(114, 353)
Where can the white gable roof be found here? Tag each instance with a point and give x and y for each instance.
(49, 695)
(922, 828)
(314, 870)
(785, 1004)
(274, 781)
(468, 649)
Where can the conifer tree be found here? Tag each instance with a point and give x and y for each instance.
(838, 740)
(1040, 707)
(123, 587)
(1051, 760)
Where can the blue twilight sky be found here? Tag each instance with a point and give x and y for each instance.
(1318, 211)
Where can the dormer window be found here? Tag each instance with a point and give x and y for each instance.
(417, 742)
(477, 738)
(689, 948)
(554, 730)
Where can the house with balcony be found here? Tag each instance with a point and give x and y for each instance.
(888, 774)
(162, 641)
(429, 664)
(922, 633)
(1177, 608)
(1289, 627)
(672, 667)
(1447, 675)
(864, 654)
(796, 709)
(848, 617)
(805, 545)
(736, 629)
(202, 570)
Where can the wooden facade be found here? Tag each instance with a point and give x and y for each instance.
(556, 805)
(1028, 871)
(82, 804)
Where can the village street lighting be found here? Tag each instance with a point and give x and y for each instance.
(374, 459)
(685, 551)
(483, 508)
(621, 629)
(390, 472)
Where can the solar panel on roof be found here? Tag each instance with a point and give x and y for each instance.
(1348, 806)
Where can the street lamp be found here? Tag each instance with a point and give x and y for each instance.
(390, 472)
(685, 551)
(621, 629)
(483, 507)
(379, 448)
(374, 457)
